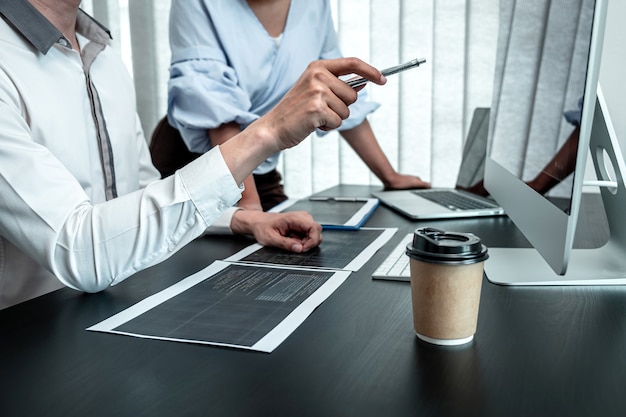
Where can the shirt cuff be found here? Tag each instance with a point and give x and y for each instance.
(221, 226)
(210, 185)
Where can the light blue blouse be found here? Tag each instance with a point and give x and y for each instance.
(226, 67)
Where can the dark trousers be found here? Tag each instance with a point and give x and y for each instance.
(270, 189)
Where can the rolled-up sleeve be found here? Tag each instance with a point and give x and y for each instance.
(203, 94)
(203, 91)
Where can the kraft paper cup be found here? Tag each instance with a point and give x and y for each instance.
(446, 280)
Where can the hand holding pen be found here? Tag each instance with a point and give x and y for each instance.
(357, 82)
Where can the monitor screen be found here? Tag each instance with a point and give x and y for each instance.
(543, 104)
(540, 82)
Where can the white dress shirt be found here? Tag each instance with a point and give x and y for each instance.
(80, 201)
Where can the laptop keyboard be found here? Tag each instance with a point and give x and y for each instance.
(396, 265)
(453, 200)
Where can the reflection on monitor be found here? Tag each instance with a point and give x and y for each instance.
(547, 113)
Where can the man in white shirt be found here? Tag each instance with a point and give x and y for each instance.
(80, 203)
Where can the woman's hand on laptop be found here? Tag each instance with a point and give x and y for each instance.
(478, 189)
(403, 182)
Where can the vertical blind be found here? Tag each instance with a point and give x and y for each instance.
(424, 114)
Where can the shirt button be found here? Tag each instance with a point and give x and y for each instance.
(64, 42)
(221, 206)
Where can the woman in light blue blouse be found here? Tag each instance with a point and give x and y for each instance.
(233, 60)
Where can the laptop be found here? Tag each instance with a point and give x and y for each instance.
(458, 202)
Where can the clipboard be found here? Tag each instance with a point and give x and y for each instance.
(345, 213)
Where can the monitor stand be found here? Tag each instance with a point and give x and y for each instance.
(605, 265)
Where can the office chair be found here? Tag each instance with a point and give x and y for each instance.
(168, 150)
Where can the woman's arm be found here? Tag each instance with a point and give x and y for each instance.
(250, 199)
(361, 138)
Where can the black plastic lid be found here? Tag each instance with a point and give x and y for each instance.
(438, 246)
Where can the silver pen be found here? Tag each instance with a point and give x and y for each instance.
(347, 199)
(357, 82)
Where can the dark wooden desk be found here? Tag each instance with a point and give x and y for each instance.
(537, 352)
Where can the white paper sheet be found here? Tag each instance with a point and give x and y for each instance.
(288, 307)
(251, 305)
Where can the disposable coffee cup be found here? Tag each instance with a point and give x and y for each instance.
(446, 280)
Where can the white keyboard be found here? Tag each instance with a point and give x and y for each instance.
(396, 266)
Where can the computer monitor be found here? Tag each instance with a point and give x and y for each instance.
(547, 64)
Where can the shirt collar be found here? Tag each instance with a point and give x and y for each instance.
(41, 33)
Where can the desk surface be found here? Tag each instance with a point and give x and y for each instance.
(537, 352)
